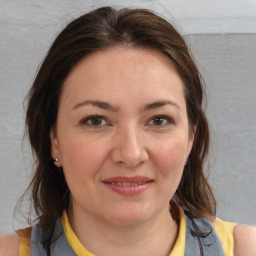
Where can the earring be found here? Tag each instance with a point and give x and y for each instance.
(56, 160)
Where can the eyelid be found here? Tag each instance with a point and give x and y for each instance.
(86, 119)
(169, 119)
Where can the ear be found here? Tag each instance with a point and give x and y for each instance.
(55, 152)
(192, 132)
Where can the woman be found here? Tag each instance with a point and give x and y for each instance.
(116, 123)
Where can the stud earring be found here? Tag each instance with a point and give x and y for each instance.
(56, 160)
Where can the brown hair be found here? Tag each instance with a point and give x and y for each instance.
(96, 30)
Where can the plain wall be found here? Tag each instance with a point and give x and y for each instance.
(222, 37)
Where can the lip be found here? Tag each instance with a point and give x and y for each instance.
(128, 186)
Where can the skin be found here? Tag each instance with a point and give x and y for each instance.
(128, 141)
(9, 245)
(245, 240)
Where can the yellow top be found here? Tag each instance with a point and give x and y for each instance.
(24, 234)
(223, 229)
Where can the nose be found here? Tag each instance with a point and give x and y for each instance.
(129, 149)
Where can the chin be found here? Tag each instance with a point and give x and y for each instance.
(125, 222)
(129, 217)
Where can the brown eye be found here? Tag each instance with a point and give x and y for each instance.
(158, 121)
(95, 121)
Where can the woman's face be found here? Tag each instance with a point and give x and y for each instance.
(122, 135)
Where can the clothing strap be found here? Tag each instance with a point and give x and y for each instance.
(60, 245)
(201, 238)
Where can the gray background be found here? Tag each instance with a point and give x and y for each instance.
(222, 37)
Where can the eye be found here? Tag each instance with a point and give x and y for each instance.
(94, 121)
(160, 120)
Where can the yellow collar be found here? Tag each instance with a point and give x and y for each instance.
(80, 250)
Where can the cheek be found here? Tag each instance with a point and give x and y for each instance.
(169, 158)
(81, 165)
(81, 157)
(170, 165)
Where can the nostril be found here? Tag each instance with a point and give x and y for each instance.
(128, 151)
(130, 164)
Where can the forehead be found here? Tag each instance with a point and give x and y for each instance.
(118, 71)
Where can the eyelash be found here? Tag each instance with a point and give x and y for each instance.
(168, 119)
(93, 117)
(85, 121)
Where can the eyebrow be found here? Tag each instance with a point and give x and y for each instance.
(96, 103)
(159, 104)
(107, 106)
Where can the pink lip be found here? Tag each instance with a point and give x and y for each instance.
(128, 186)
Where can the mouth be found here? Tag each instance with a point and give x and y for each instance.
(128, 186)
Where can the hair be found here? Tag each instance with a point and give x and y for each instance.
(99, 29)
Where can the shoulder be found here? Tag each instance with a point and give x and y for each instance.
(244, 240)
(9, 245)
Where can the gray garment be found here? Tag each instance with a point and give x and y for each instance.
(60, 245)
(210, 244)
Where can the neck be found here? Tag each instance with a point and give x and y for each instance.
(155, 236)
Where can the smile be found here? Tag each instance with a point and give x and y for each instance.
(128, 186)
